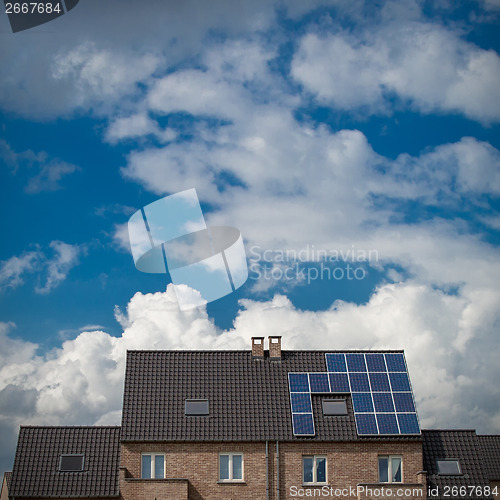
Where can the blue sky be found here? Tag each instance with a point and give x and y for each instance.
(369, 128)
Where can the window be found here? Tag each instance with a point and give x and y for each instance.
(390, 469)
(314, 469)
(450, 467)
(71, 463)
(334, 407)
(153, 466)
(196, 407)
(230, 467)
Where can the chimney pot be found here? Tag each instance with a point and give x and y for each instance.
(258, 347)
(275, 347)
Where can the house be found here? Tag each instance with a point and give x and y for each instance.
(259, 424)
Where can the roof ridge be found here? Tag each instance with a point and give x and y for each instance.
(70, 426)
(247, 350)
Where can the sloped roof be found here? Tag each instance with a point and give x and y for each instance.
(490, 446)
(36, 464)
(249, 399)
(462, 445)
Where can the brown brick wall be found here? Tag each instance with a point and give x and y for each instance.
(349, 465)
(5, 493)
(493, 485)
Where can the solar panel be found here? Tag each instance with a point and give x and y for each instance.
(395, 362)
(400, 382)
(319, 382)
(383, 402)
(335, 362)
(404, 402)
(408, 423)
(362, 402)
(339, 382)
(379, 386)
(299, 382)
(375, 363)
(303, 424)
(356, 362)
(301, 402)
(366, 423)
(379, 382)
(359, 382)
(387, 423)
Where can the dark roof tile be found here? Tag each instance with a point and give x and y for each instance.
(249, 399)
(36, 464)
(490, 446)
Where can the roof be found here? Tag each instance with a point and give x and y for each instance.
(490, 446)
(249, 399)
(36, 464)
(462, 445)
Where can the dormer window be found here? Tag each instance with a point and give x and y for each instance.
(71, 463)
(196, 407)
(449, 467)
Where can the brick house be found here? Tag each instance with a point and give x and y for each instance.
(259, 424)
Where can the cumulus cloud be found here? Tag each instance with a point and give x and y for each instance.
(81, 382)
(424, 64)
(13, 269)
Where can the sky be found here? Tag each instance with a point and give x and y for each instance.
(354, 144)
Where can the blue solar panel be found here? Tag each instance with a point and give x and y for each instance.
(366, 424)
(362, 402)
(408, 423)
(359, 382)
(379, 382)
(375, 363)
(335, 363)
(339, 382)
(387, 423)
(301, 402)
(383, 402)
(395, 362)
(319, 382)
(356, 362)
(379, 386)
(299, 382)
(404, 402)
(303, 424)
(400, 382)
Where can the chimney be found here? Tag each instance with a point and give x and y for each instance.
(275, 347)
(258, 347)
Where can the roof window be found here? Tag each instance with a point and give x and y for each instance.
(449, 467)
(71, 463)
(196, 407)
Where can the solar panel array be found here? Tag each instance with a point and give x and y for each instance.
(379, 386)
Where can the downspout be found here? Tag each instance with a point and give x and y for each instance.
(277, 471)
(267, 470)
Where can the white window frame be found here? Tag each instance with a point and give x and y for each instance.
(315, 468)
(231, 455)
(153, 455)
(389, 468)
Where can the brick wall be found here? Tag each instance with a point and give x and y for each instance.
(349, 465)
(493, 485)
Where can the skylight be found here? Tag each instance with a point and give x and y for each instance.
(449, 467)
(196, 407)
(71, 463)
(334, 407)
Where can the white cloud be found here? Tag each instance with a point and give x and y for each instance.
(13, 269)
(44, 173)
(81, 382)
(425, 64)
(51, 270)
(65, 258)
